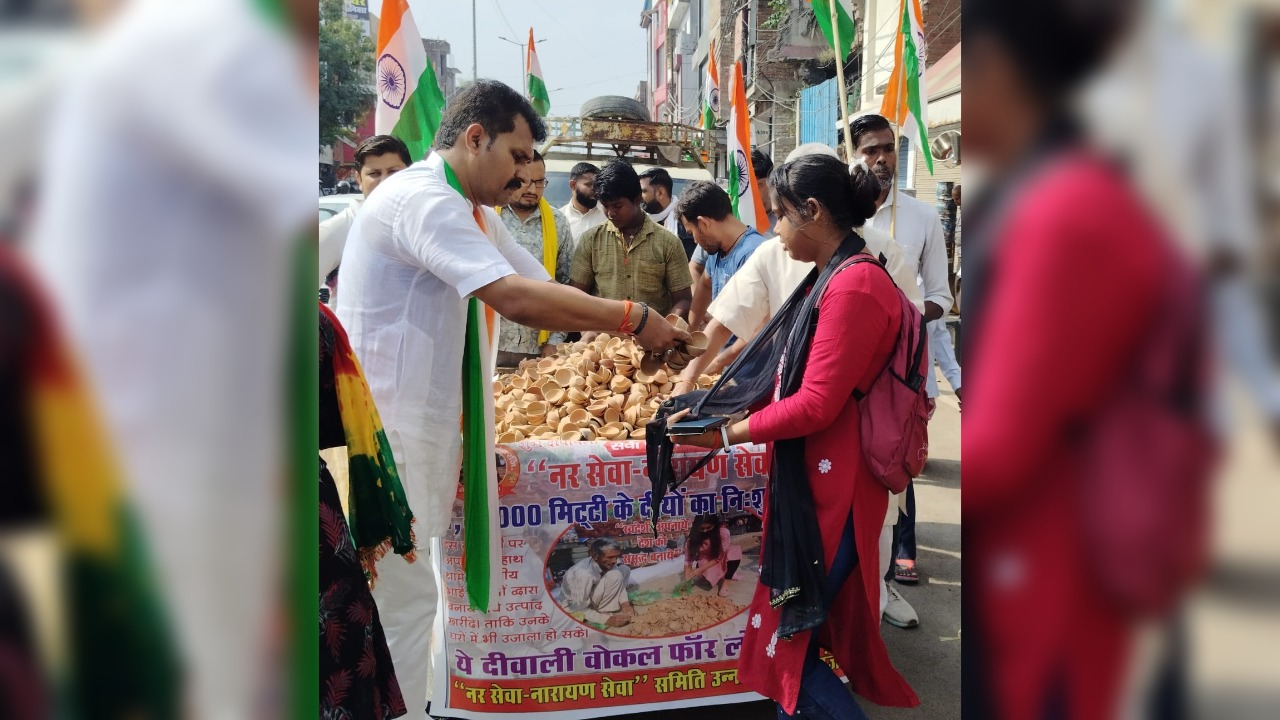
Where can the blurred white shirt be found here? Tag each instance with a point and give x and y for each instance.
(167, 232)
(333, 238)
(580, 222)
(918, 231)
(764, 282)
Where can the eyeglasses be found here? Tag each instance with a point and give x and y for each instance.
(537, 183)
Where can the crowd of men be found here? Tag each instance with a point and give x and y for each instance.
(622, 237)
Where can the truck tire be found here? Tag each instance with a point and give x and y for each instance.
(616, 107)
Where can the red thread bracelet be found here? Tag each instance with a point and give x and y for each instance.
(625, 327)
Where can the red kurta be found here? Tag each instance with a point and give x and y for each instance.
(1075, 282)
(858, 318)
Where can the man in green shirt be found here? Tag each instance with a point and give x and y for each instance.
(631, 257)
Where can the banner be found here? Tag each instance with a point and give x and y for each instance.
(555, 640)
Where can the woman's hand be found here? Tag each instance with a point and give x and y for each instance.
(739, 432)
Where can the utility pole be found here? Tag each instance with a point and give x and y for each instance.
(475, 75)
(524, 71)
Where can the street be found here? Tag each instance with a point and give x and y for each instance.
(928, 655)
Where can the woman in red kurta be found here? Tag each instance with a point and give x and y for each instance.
(858, 319)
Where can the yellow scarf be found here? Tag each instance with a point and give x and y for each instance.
(550, 249)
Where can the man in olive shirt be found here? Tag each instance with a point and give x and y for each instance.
(631, 257)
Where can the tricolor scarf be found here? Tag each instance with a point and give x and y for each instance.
(124, 660)
(550, 248)
(377, 509)
(479, 473)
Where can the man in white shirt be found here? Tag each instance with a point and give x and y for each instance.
(655, 193)
(420, 247)
(583, 211)
(596, 586)
(377, 158)
(916, 228)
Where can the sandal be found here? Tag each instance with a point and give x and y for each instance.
(904, 571)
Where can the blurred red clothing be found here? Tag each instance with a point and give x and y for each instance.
(1073, 283)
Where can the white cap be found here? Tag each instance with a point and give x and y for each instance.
(813, 148)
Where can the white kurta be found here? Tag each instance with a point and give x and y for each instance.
(168, 253)
(413, 257)
(333, 238)
(764, 282)
(918, 231)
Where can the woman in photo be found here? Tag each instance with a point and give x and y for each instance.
(711, 558)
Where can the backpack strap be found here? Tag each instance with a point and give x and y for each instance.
(915, 343)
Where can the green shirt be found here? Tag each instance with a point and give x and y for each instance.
(650, 271)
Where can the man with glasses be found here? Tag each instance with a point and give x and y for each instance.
(544, 232)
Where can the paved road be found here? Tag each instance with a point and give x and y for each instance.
(929, 655)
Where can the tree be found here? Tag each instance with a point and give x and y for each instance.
(346, 73)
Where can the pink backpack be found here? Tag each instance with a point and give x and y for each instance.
(894, 411)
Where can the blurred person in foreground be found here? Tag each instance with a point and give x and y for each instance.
(545, 234)
(422, 247)
(172, 276)
(1139, 109)
(820, 586)
(750, 299)
(1087, 449)
(377, 158)
(88, 635)
(357, 677)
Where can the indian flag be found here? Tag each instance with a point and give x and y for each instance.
(410, 104)
(538, 96)
(711, 94)
(904, 98)
(744, 192)
(844, 25)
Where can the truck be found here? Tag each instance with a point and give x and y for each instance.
(612, 127)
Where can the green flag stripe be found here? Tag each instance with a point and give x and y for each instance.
(538, 95)
(421, 114)
(734, 180)
(475, 474)
(822, 13)
(911, 66)
(475, 453)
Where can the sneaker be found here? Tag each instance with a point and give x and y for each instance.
(898, 611)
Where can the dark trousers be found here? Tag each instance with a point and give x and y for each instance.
(904, 533)
(822, 695)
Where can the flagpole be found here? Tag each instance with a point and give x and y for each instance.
(844, 98)
(897, 128)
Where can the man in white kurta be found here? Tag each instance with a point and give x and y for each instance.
(415, 255)
(413, 258)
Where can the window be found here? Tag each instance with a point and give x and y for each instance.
(659, 68)
(906, 162)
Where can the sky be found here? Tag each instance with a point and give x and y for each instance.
(593, 47)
